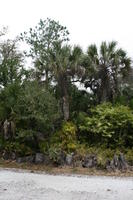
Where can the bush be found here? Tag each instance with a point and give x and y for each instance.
(44, 146)
(17, 147)
(112, 125)
(37, 109)
(66, 138)
(129, 156)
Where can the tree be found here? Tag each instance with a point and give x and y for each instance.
(37, 109)
(42, 40)
(106, 69)
(3, 31)
(12, 75)
(65, 67)
(54, 59)
(11, 67)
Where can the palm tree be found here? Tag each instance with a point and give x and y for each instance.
(65, 66)
(41, 40)
(108, 66)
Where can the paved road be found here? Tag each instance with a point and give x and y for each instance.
(31, 186)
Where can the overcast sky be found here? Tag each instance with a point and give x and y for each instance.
(88, 21)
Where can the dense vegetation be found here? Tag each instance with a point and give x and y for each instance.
(43, 108)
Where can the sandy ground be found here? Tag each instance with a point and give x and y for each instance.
(26, 186)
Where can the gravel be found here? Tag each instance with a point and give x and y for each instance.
(24, 185)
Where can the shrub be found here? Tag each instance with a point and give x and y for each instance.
(66, 138)
(44, 146)
(129, 155)
(112, 125)
(37, 109)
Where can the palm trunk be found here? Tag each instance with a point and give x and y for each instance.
(104, 95)
(63, 85)
(105, 89)
(66, 107)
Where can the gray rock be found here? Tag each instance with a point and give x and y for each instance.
(29, 159)
(39, 158)
(69, 159)
(117, 163)
(108, 165)
(21, 159)
(47, 160)
(13, 156)
(61, 158)
(89, 161)
(6, 155)
(122, 163)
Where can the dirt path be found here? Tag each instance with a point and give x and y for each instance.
(31, 186)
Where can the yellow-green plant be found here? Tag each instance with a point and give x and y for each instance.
(66, 137)
(109, 124)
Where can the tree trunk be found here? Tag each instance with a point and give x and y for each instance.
(105, 89)
(63, 85)
(66, 107)
(104, 95)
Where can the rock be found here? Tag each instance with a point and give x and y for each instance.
(114, 163)
(13, 156)
(47, 160)
(6, 155)
(21, 159)
(30, 159)
(89, 161)
(69, 159)
(117, 163)
(74, 160)
(39, 158)
(122, 162)
(77, 160)
(108, 165)
(60, 159)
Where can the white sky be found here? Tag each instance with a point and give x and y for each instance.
(88, 21)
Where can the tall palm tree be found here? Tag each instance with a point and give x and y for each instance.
(65, 66)
(108, 67)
